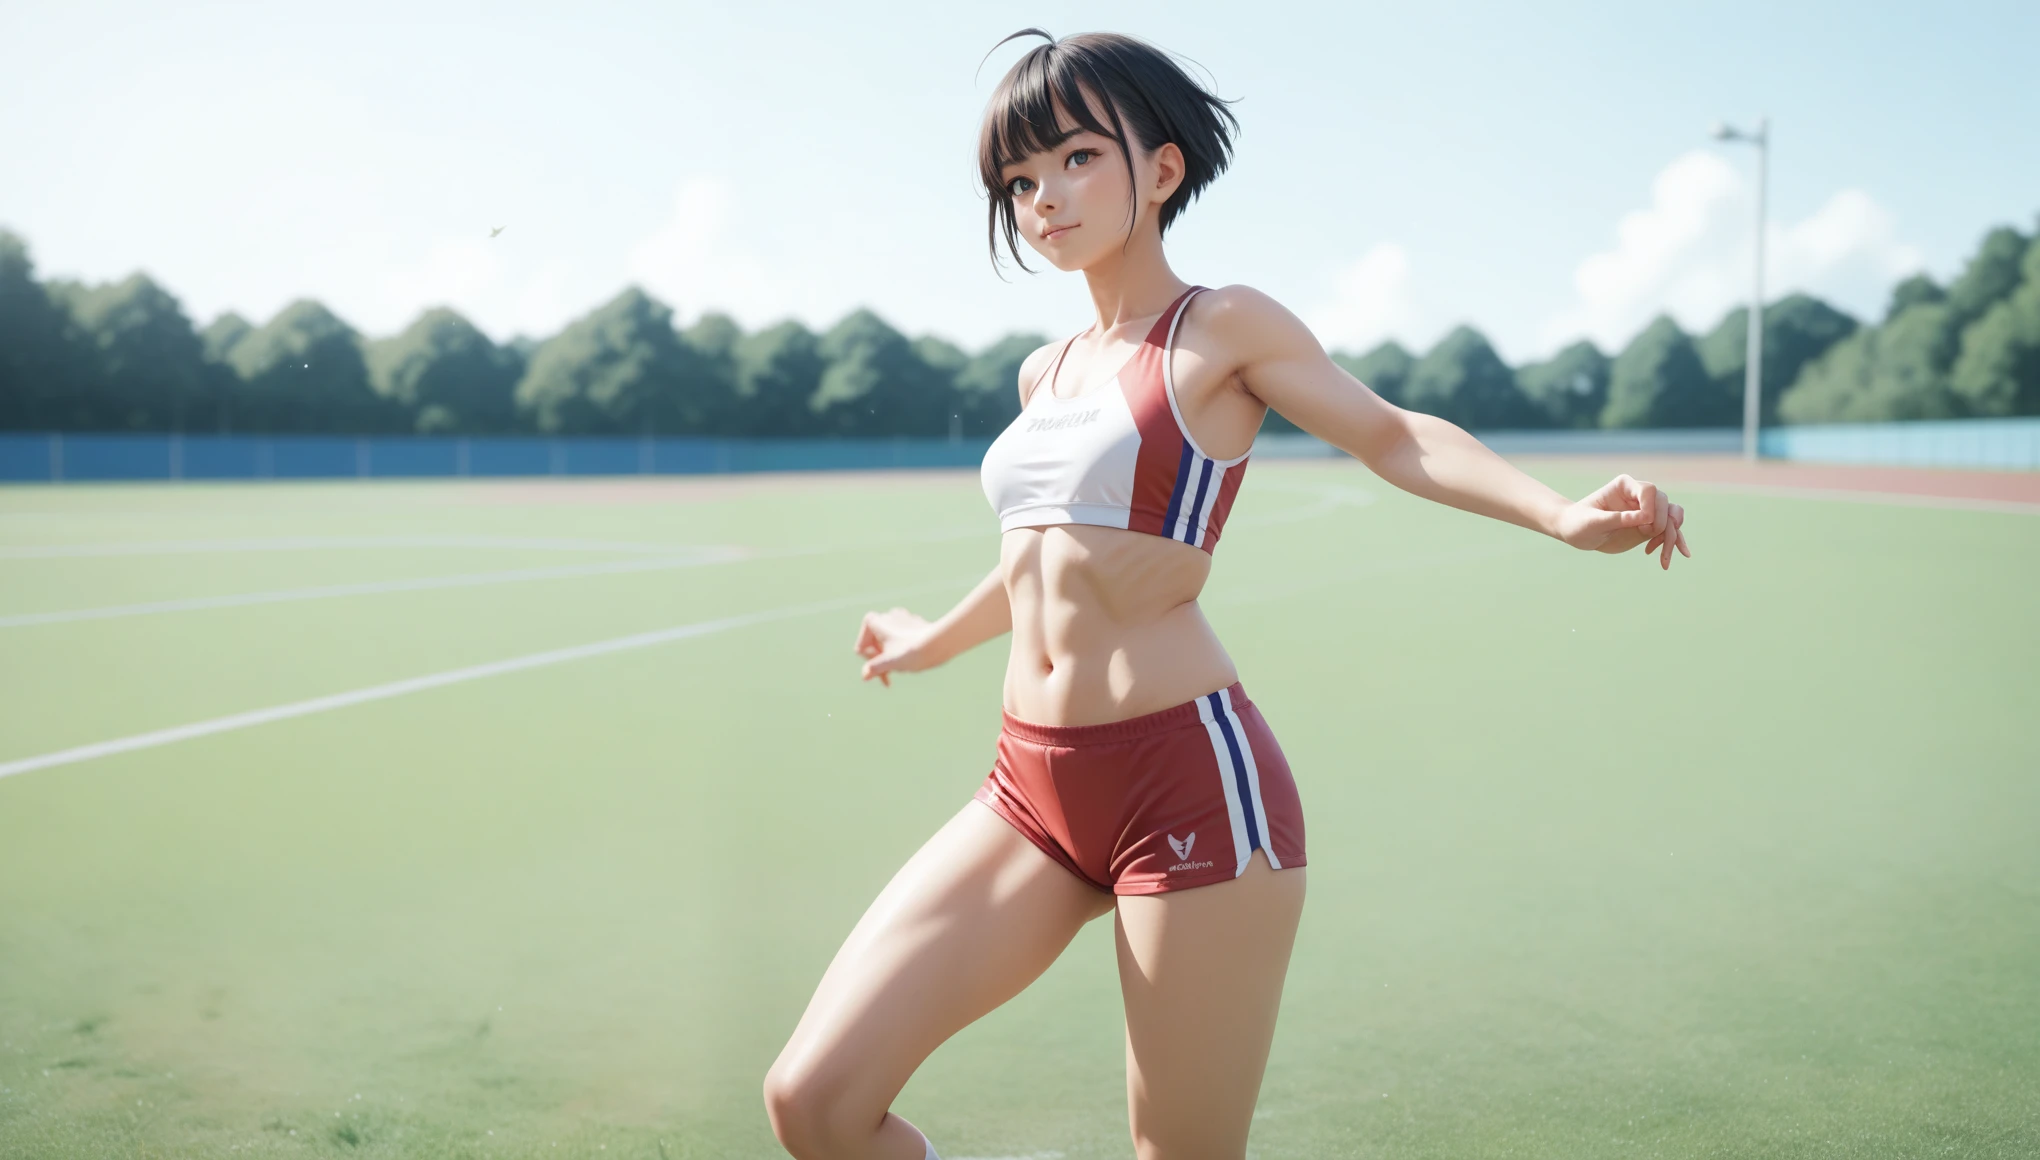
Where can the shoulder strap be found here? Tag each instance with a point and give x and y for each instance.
(1054, 369)
(1164, 333)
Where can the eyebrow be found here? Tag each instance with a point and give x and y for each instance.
(1054, 145)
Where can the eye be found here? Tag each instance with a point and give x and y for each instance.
(1082, 157)
(1020, 186)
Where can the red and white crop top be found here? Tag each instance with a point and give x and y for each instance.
(1118, 456)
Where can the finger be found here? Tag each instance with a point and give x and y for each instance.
(1683, 549)
(1652, 546)
(1643, 497)
(890, 661)
(1619, 495)
(1605, 522)
(1652, 501)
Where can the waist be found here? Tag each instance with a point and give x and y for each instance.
(1101, 672)
(1106, 625)
(1187, 715)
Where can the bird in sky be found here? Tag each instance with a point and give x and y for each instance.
(497, 230)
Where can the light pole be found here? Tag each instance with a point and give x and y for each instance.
(1753, 371)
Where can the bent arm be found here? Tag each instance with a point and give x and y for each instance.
(983, 613)
(900, 642)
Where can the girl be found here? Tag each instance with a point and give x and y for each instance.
(1133, 775)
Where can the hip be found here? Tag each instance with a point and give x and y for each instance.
(1163, 801)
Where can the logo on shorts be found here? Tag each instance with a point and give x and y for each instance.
(1182, 849)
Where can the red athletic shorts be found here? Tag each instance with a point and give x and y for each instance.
(1168, 801)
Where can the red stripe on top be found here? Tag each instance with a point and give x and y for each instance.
(1227, 489)
(1161, 438)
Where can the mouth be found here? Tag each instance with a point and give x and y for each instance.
(1052, 234)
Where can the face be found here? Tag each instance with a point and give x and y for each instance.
(1072, 203)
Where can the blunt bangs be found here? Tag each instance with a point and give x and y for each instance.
(1048, 96)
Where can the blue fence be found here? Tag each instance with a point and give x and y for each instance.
(1594, 441)
(2002, 444)
(56, 458)
(1971, 444)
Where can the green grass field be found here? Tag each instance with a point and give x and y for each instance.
(1737, 861)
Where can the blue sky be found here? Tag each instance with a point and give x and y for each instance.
(1541, 170)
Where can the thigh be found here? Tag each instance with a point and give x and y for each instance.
(1201, 971)
(972, 918)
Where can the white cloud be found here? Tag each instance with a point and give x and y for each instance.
(544, 304)
(450, 273)
(1372, 299)
(1847, 250)
(1688, 255)
(503, 285)
(692, 264)
(534, 279)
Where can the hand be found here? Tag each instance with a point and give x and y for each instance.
(1623, 514)
(890, 642)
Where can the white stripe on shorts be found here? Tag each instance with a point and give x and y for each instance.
(1229, 780)
(1253, 778)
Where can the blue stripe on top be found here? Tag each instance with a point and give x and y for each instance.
(1239, 771)
(1176, 496)
(1190, 528)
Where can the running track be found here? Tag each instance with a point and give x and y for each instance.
(2014, 491)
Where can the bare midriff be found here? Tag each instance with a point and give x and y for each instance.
(1106, 625)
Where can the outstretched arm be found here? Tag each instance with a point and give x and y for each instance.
(898, 641)
(1280, 362)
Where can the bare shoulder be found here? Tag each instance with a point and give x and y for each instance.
(1033, 367)
(1244, 320)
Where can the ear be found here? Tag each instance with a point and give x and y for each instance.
(1168, 173)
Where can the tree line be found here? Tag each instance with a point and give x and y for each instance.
(124, 356)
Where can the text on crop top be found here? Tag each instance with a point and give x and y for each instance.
(1118, 456)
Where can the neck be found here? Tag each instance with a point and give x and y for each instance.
(1134, 283)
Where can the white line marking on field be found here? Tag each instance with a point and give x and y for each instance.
(702, 554)
(710, 555)
(441, 679)
(315, 543)
(1852, 495)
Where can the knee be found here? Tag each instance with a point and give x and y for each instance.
(1186, 1141)
(810, 1114)
(1146, 1147)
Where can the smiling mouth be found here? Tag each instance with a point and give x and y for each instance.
(1051, 235)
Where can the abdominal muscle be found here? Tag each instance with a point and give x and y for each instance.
(1106, 625)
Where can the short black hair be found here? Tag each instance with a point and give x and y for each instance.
(1138, 85)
